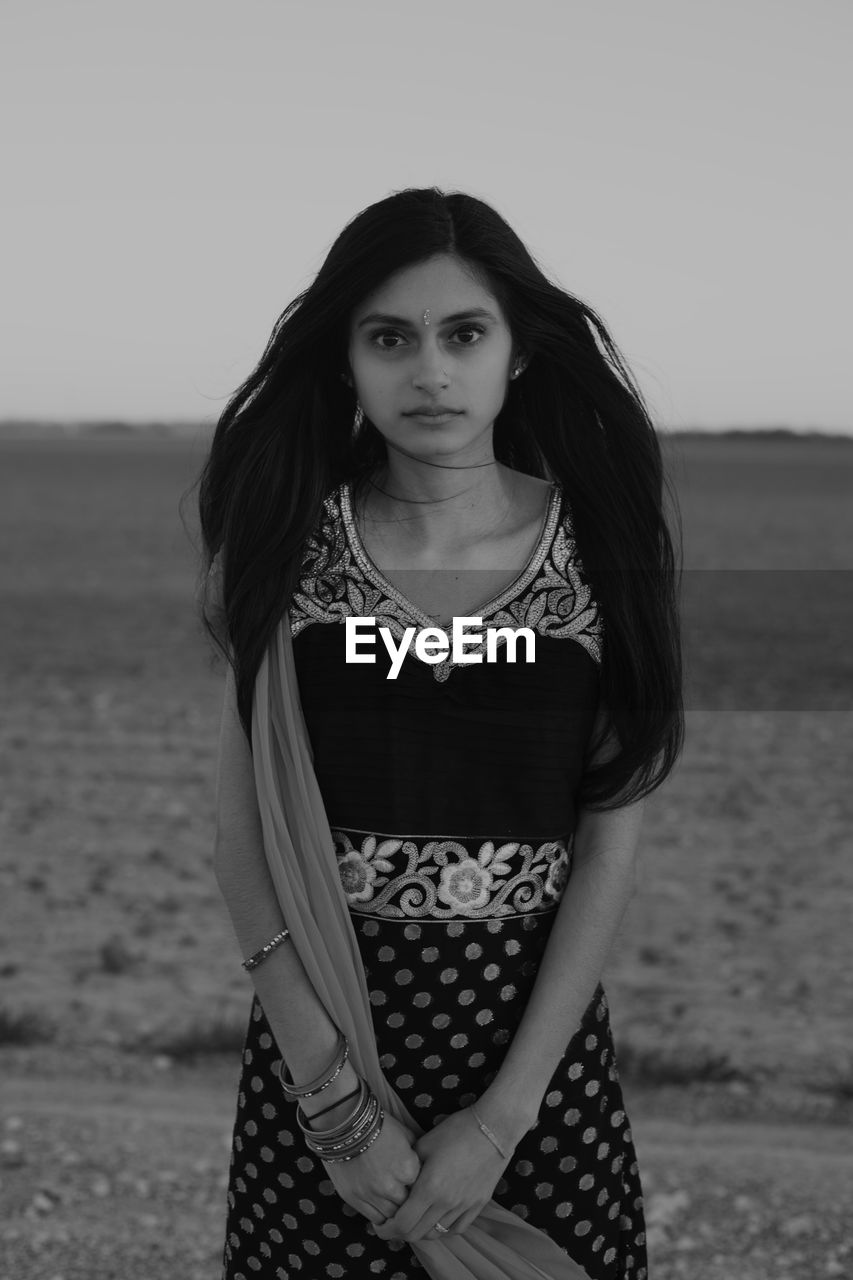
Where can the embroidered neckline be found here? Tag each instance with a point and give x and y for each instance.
(372, 572)
(338, 580)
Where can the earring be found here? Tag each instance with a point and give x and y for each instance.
(358, 419)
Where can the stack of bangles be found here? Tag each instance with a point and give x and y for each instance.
(357, 1131)
(363, 1125)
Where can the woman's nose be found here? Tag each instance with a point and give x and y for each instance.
(430, 371)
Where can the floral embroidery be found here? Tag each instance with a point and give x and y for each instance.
(358, 868)
(445, 878)
(558, 870)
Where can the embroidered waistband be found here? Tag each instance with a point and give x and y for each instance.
(400, 878)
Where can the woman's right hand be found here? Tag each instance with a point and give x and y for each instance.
(376, 1182)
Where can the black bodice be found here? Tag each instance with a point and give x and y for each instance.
(492, 749)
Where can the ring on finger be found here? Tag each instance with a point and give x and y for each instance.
(443, 1230)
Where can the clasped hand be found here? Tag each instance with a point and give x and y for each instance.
(460, 1168)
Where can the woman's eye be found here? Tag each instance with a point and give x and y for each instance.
(380, 338)
(471, 328)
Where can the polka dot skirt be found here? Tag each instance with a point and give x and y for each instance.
(446, 999)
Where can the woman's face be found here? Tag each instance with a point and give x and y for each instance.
(460, 360)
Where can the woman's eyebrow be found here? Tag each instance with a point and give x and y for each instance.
(379, 317)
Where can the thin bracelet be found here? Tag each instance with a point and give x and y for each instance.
(332, 1105)
(255, 960)
(346, 1130)
(487, 1131)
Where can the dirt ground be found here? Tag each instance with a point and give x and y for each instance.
(126, 1180)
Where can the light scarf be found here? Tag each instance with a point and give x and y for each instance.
(300, 851)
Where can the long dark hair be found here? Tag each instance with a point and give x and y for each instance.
(285, 439)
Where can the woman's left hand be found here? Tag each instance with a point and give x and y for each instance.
(459, 1171)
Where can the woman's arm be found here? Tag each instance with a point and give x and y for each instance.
(304, 1032)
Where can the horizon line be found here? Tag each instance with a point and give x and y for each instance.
(14, 424)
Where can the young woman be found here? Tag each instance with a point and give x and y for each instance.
(436, 432)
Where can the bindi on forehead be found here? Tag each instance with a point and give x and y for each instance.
(401, 322)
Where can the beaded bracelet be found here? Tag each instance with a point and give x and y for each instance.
(327, 1159)
(323, 1080)
(255, 960)
(353, 1136)
(360, 1151)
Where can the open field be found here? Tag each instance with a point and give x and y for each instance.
(731, 983)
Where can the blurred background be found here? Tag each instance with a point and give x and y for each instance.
(174, 175)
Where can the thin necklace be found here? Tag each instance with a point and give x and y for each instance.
(399, 521)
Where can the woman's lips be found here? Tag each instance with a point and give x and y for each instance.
(434, 417)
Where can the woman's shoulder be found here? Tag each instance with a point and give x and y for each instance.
(534, 498)
(544, 511)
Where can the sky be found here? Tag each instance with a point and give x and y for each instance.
(175, 172)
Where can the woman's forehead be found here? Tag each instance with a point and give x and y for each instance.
(442, 284)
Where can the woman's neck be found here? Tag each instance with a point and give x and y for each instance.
(441, 509)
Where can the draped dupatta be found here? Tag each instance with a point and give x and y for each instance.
(498, 1245)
